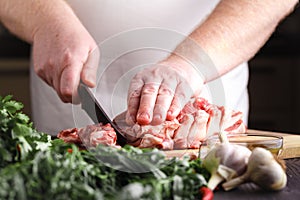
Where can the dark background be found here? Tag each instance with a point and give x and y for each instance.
(274, 85)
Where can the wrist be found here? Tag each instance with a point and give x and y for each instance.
(193, 54)
(185, 65)
(186, 70)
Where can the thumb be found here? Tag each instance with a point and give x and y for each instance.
(89, 70)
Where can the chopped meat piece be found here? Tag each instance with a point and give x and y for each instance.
(180, 137)
(219, 119)
(90, 136)
(70, 136)
(159, 136)
(198, 130)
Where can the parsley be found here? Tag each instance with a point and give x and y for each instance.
(34, 166)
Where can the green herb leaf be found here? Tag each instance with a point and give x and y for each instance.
(33, 166)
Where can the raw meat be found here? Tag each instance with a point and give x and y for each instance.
(90, 136)
(160, 136)
(196, 121)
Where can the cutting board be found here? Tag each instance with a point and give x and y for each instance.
(290, 149)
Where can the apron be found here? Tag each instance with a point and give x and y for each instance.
(133, 34)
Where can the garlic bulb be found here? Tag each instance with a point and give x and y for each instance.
(225, 161)
(263, 169)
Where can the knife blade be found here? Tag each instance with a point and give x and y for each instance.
(92, 107)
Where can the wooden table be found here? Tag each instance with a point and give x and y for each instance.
(251, 192)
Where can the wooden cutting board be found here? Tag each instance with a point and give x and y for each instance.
(290, 149)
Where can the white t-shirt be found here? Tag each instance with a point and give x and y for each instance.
(133, 34)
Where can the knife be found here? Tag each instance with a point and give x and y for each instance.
(92, 107)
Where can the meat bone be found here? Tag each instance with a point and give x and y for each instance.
(92, 107)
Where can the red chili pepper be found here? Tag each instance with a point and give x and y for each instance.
(207, 194)
(18, 148)
(70, 150)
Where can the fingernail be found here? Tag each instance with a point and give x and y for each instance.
(157, 119)
(170, 115)
(90, 80)
(144, 115)
(143, 118)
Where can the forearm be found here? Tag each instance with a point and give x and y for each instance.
(235, 31)
(24, 17)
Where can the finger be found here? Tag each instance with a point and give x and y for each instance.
(164, 99)
(89, 71)
(40, 70)
(133, 99)
(53, 72)
(182, 94)
(51, 77)
(69, 81)
(56, 84)
(147, 102)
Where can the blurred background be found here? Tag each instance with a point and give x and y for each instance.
(274, 84)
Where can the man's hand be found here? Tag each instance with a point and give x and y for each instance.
(63, 50)
(159, 92)
(230, 35)
(62, 55)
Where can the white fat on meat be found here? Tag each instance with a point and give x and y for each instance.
(196, 121)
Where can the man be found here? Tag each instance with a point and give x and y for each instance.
(65, 37)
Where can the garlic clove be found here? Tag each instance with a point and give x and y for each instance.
(266, 171)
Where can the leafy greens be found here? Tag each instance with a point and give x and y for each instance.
(34, 166)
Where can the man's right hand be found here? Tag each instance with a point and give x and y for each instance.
(63, 53)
